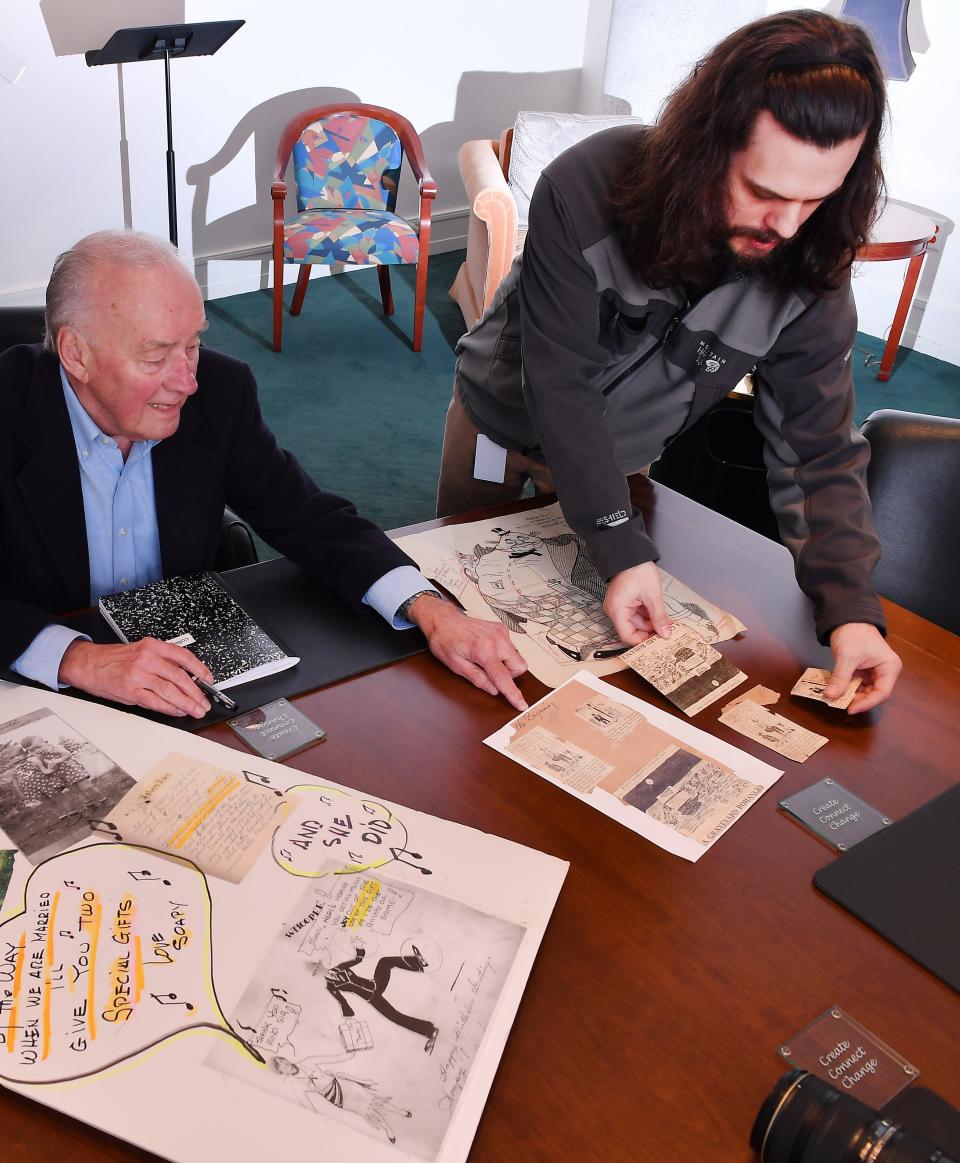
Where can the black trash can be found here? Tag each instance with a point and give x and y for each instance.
(719, 463)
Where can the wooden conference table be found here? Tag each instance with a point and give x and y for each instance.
(649, 1025)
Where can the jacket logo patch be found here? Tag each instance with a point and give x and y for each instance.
(708, 360)
(612, 518)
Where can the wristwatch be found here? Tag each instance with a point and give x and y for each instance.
(404, 610)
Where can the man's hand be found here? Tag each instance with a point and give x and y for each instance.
(479, 651)
(148, 673)
(860, 650)
(634, 604)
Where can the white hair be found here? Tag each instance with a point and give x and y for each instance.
(70, 289)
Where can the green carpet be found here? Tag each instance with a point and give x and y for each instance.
(348, 396)
(364, 414)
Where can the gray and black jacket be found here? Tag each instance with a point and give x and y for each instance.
(579, 363)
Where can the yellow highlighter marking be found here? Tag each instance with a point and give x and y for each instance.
(220, 790)
(364, 902)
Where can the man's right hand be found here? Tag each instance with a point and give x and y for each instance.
(148, 673)
(634, 604)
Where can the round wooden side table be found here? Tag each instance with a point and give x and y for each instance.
(900, 232)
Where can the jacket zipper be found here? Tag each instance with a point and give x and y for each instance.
(637, 364)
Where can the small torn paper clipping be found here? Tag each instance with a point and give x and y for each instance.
(661, 777)
(811, 684)
(748, 714)
(684, 668)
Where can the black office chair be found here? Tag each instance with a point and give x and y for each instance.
(914, 482)
(20, 325)
(236, 546)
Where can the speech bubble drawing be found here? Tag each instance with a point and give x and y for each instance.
(276, 1026)
(110, 956)
(329, 824)
(366, 903)
(344, 907)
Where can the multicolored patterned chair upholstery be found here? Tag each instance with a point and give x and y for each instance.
(346, 166)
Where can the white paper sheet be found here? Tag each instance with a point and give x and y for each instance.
(177, 996)
(687, 788)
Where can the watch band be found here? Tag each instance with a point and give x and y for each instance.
(404, 610)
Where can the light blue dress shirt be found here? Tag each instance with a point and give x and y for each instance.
(123, 540)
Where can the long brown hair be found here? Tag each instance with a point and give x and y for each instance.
(820, 79)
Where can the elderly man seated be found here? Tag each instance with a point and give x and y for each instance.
(122, 440)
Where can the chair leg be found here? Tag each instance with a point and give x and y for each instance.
(900, 317)
(421, 296)
(303, 277)
(386, 294)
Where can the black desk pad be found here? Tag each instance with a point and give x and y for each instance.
(904, 882)
(332, 640)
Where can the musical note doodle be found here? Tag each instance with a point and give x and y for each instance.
(147, 875)
(170, 999)
(398, 855)
(261, 781)
(107, 828)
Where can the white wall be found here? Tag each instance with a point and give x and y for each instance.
(457, 70)
(922, 167)
(921, 160)
(454, 70)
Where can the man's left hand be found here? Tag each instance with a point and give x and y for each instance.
(861, 651)
(479, 651)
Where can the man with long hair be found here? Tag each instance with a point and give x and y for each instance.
(663, 264)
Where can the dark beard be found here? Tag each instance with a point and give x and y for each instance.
(770, 266)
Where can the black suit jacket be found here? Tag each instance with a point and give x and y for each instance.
(221, 454)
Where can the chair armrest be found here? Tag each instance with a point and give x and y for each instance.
(492, 202)
(480, 169)
(278, 191)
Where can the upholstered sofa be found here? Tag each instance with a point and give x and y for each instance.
(499, 176)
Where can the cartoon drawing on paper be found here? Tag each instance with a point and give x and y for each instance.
(376, 996)
(341, 979)
(694, 796)
(546, 587)
(530, 571)
(344, 1092)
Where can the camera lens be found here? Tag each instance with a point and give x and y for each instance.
(806, 1120)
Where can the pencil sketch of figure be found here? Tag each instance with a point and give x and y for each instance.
(341, 980)
(544, 586)
(359, 1096)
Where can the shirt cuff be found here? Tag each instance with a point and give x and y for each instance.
(388, 594)
(41, 660)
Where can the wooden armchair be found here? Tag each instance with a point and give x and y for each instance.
(346, 167)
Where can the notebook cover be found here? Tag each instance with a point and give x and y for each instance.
(332, 639)
(904, 882)
(197, 611)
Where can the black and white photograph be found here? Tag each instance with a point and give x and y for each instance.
(53, 784)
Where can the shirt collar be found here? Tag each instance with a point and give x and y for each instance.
(86, 434)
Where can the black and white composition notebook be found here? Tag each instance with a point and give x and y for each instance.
(199, 612)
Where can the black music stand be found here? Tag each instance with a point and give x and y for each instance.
(163, 42)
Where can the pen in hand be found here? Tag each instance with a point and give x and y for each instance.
(214, 695)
